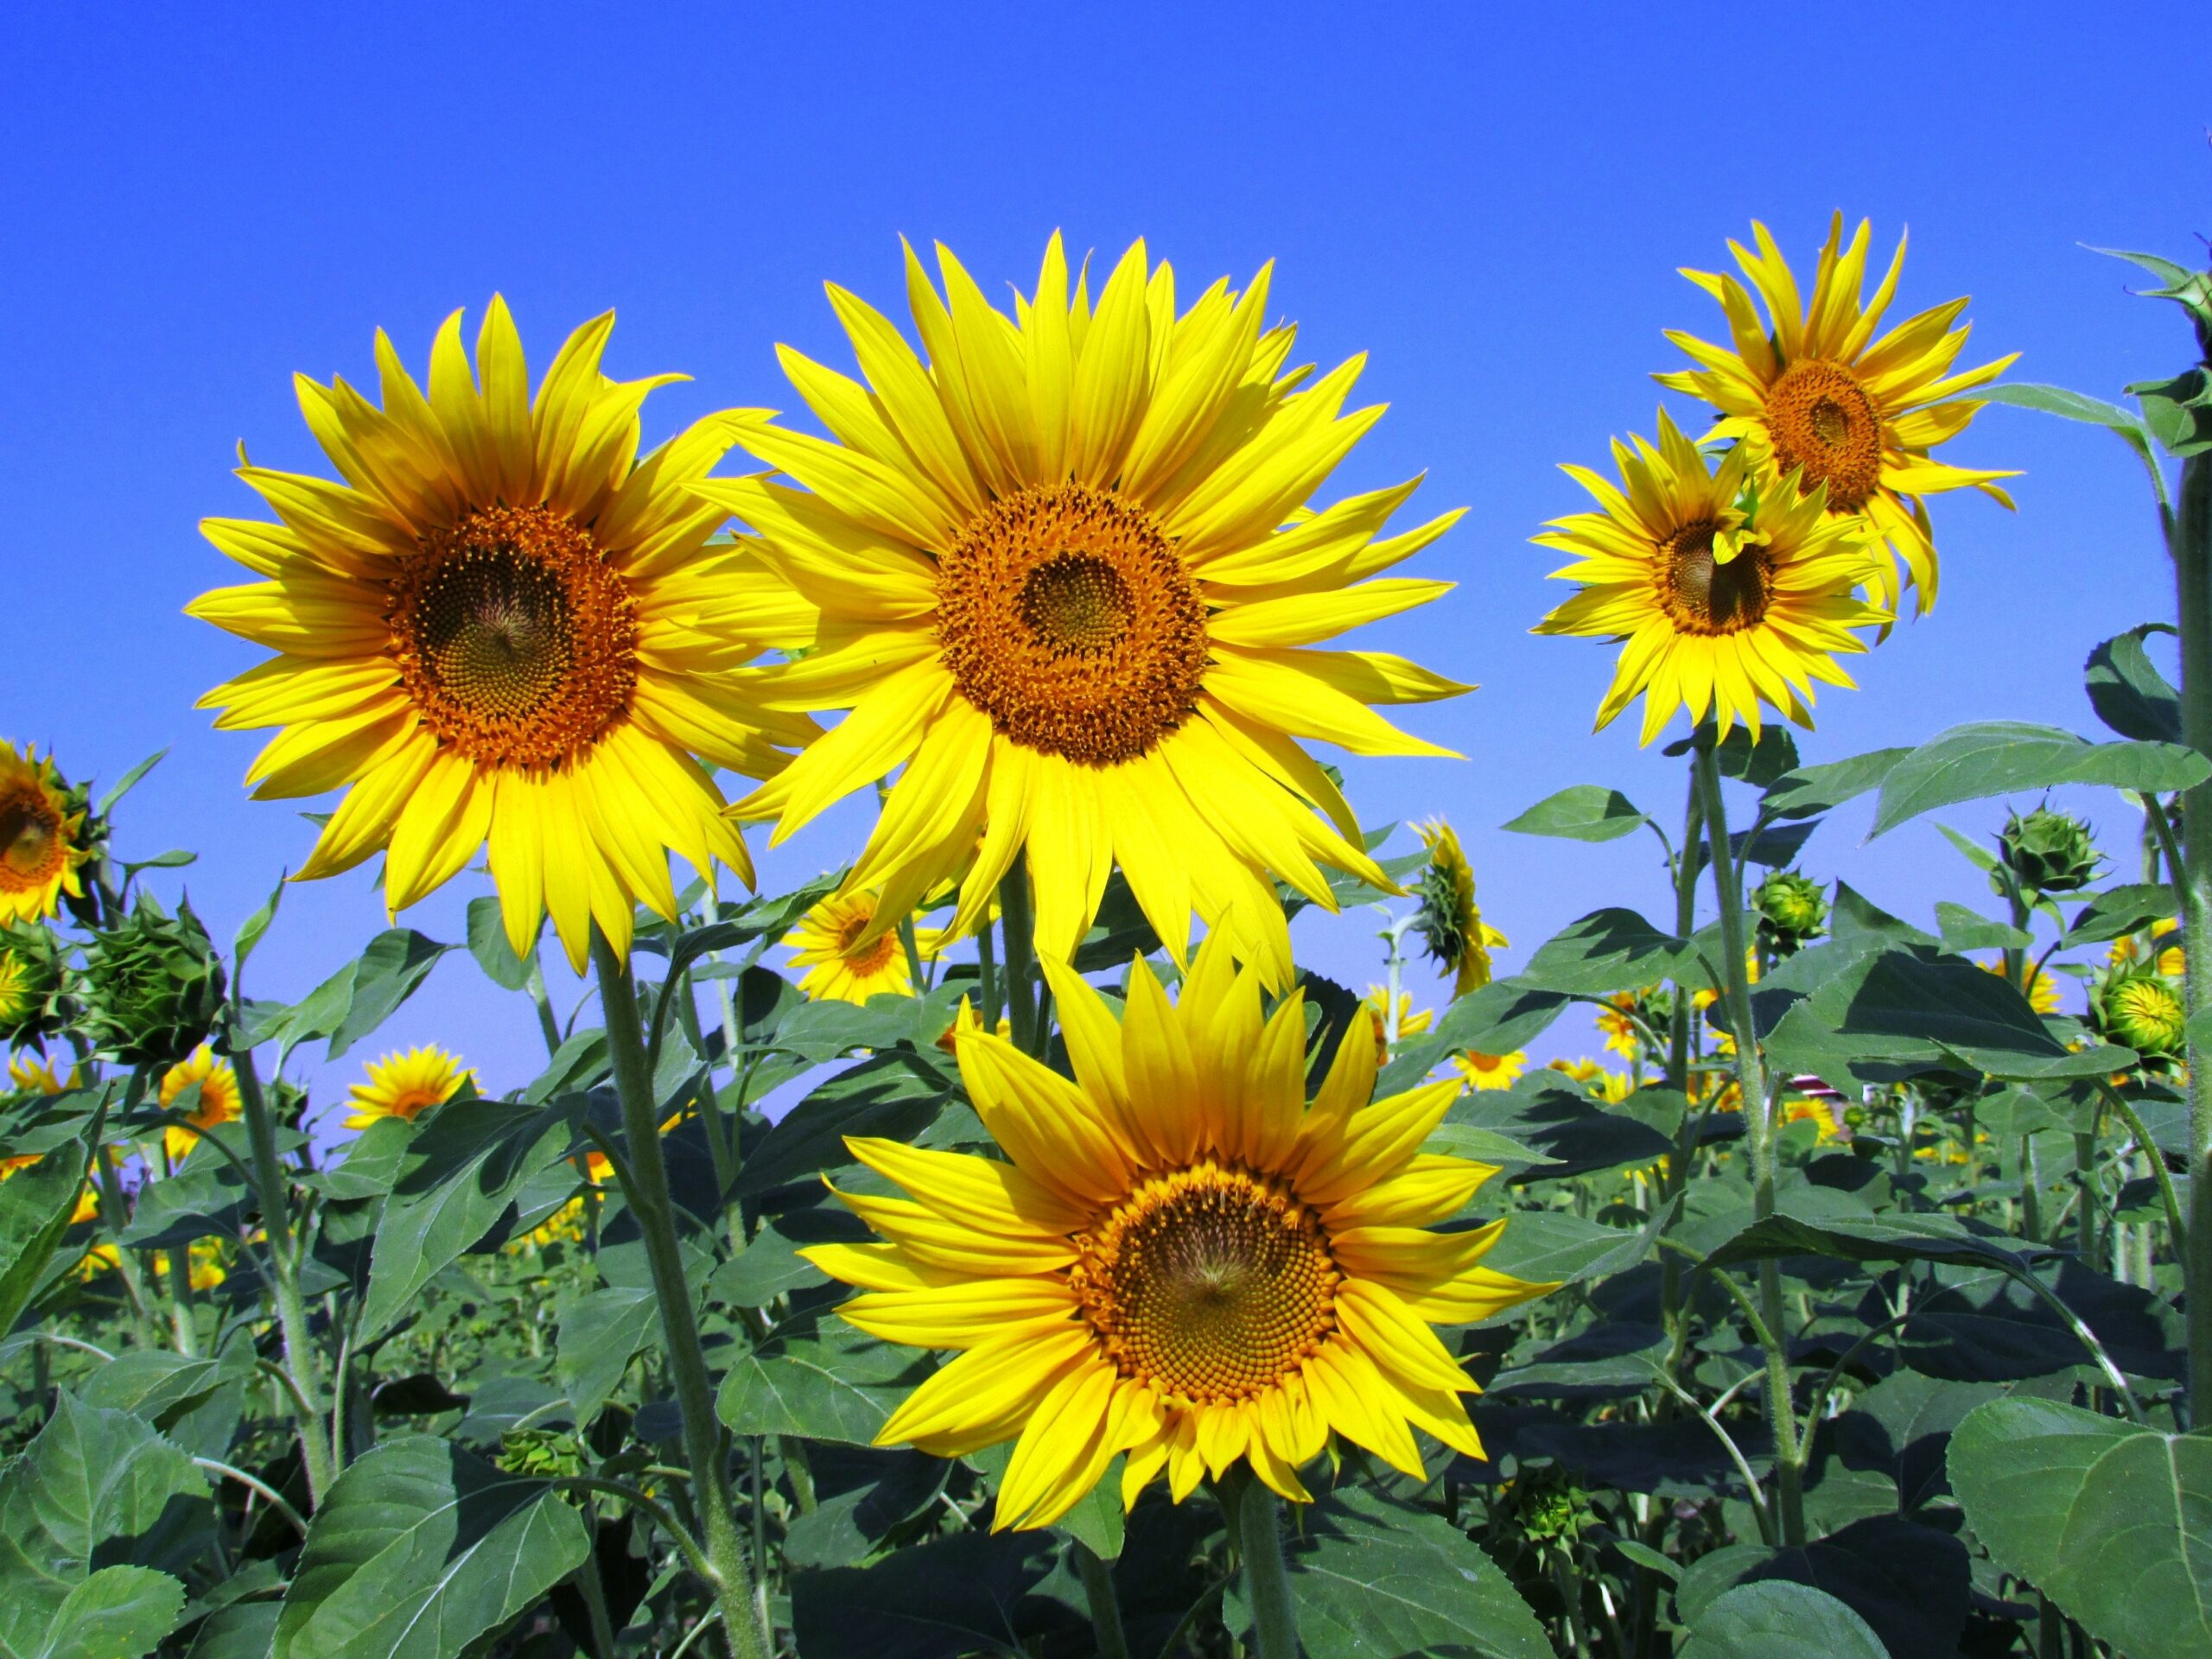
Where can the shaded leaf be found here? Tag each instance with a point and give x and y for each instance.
(1776, 1619)
(2129, 692)
(2007, 757)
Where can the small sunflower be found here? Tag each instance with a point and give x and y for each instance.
(218, 1098)
(1722, 600)
(406, 1085)
(1617, 1020)
(965, 1023)
(504, 625)
(2173, 962)
(2146, 1012)
(38, 854)
(847, 958)
(1069, 580)
(1822, 1112)
(1483, 1072)
(1810, 388)
(33, 1074)
(1410, 1024)
(1450, 921)
(1181, 1260)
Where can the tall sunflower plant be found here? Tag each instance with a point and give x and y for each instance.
(1002, 1241)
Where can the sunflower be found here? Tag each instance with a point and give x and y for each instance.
(218, 1098)
(1182, 1261)
(38, 854)
(843, 963)
(1410, 1024)
(1723, 599)
(1450, 921)
(2173, 962)
(1811, 388)
(18, 992)
(33, 1074)
(966, 1022)
(1069, 580)
(1483, 1072)
(2145, 1012)
(1617, 1022)
(406, 1085)
(503, 626)
(2042, 990)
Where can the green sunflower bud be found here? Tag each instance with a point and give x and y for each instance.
(547, 1453)
(1792, 908)
(2144, 1012)
(152, 987)
(30, 984)
(2049, 852)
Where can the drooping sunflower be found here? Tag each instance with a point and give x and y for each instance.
(1450, 922)
(504, 625)
(1722, 600)
(1181, 1260)
(842, 963)
(38, 854)
(1484, 1072)
(1810, 387)
(406, 1085)
(1069, 582)
(218, 1098)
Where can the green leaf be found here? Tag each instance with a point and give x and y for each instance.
(35, 1209)
(2120, 910)
(1811, 1222)
(974, 1592)
(256, 926)
(1450, 1140)
(1809, 791)
(463, 1167)
(361, 995)
(835, 1385)
(125, 783)
(828, 1030)
(418, 1550)
(1584, 812)
(891, 1095)
(2128, 692)
(1375, 1577)
(1776, 1619)
(149, 1382)
(2112, 1520)
(768, 1267)
(600, 1335)
(2007, 757)
(1759, 761)
(1500, 1018)
(487, 943)
(2094, 411)
(1968, 929)
(120, 1613)
(1607, 950)
(2178, 411)
(1552, 1246)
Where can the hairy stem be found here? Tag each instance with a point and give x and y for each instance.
(2192, 554)
(1254, 1518)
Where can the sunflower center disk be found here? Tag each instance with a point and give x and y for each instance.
(1066, 616)
(515, 639)
(31, 849)
(875, 956)
(1703, 596)
(1822, 420)
(1208, 1284)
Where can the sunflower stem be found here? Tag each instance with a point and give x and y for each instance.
(643, 1175)
(1254, 1518)
(1105, 1608)
(2191, 547)
(1021, 955)
(1758, 1106)
(987, 969)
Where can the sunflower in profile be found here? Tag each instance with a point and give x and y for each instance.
(38, 854)
(406, 1085)
(1449, 921)
(848, 958)
(1723, 598)
(1484, 1072)
(504, 625)
(1410, 1022)
(1180, 1259)
(218, 1098)
(1069, 582)
(1809, 387)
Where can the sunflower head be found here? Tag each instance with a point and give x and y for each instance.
(1808, 388)
(2144, 1012)
(1180, 1258)
(1792, 909)
(1070, 580)
(504, 625)
(152, 986)
(2047, 852)
(31, 984)
(847, 956)
(1449, 922)
(42, 843)
(1484, 1072)
(218, 1101)
(405, 1085)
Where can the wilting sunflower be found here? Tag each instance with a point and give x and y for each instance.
(406, 1085)
(38, 854)
(1450, 922)
(1483, 1072)
(1069, 582)
(218, 1097)
(1811, 387)
(504, 625)
(843, 963)
(1722, 600)
(1182, 1259)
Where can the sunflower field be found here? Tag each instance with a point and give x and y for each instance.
(1002, 1244)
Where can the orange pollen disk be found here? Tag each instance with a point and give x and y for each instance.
(31, 846)
(874, 957)
(1703, 596)
(1210, 1284)
(1067, 617)
(1821, 419)
(515, 639)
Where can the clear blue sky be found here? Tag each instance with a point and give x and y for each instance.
(1491, 201)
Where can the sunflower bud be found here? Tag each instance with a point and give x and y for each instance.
(1449, 922)
(153, 986)
(1792, 909)
(2144, 1012)
(547, 1453)
(2049, 852)
(30, 984)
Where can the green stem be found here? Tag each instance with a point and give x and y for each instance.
(594, 1596)
(1105, 1608)
(548, 1027)
(912, 948)
(645, 1181)
(1254, 1518)
(1759, 1119)
(1021, 954)
(2177, 1232)
(113, 1212)
(2192, 554)
(987, 969)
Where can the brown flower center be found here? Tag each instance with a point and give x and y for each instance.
(1821, 419)
(1208, 1283)
(1701, 595)
(514, 637)
(32, 845)
(1066, 616)
(874, 957)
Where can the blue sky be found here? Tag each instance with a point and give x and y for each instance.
(1492, 203)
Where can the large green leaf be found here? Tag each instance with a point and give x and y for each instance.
(2112, 1520)
(1609, 949)
(1371, 1576)
(1911, 1583)
(488, 944)
(1584, 812)
(358, 997)
(419, 1549)
(834, 1384)
(601, 1334)
(890, 1094)
(973, 1593)
(2009, 757)
(1812, 1221)
(1811, 791)
(2128, 692)
(35, 1209)
(1503, 1016)
(2120, 910)
(1776, 1619)
(120, 1613)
